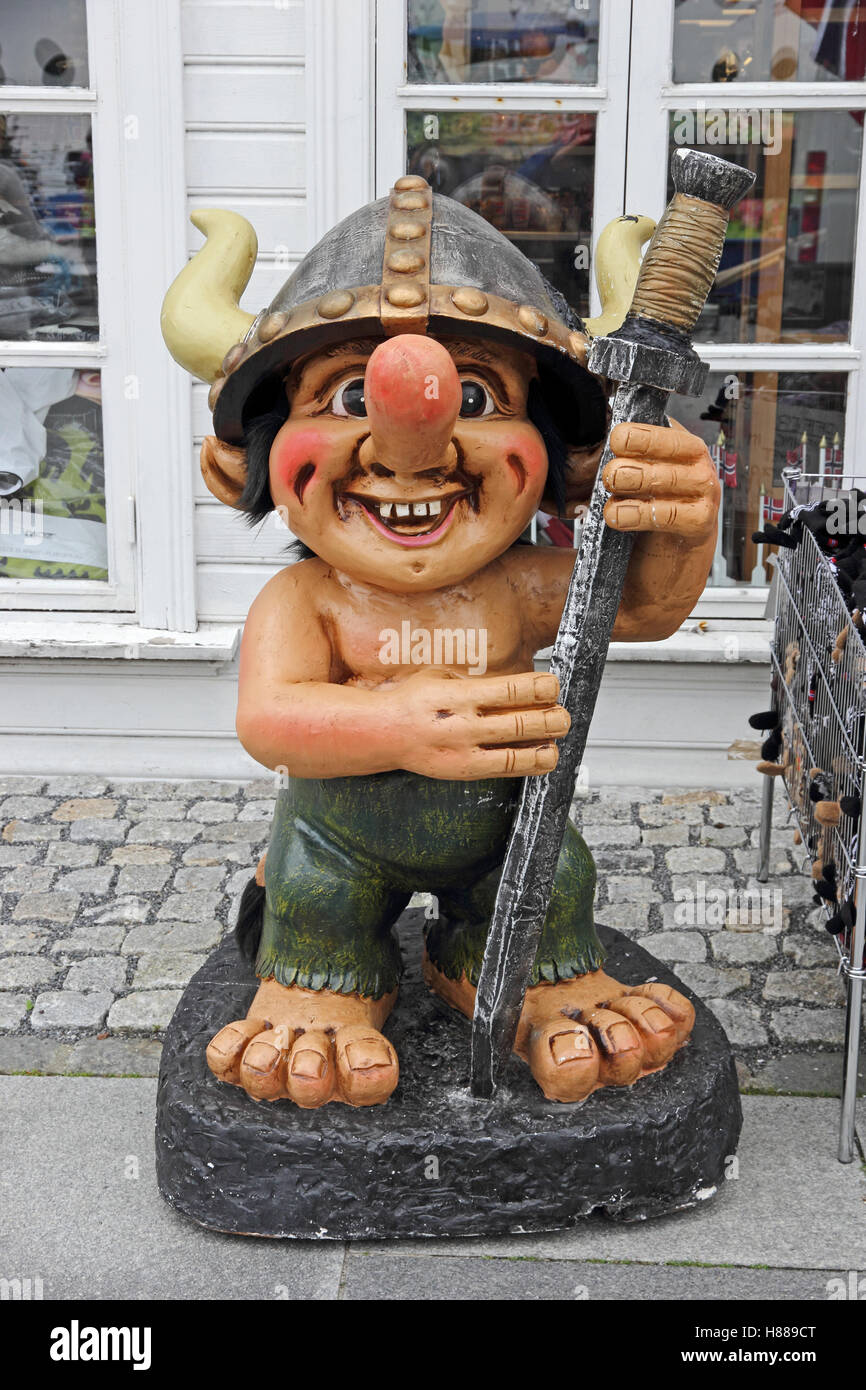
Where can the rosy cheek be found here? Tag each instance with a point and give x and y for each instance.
(527, 459)
(295, 460)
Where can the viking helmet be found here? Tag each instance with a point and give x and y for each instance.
(414, 262)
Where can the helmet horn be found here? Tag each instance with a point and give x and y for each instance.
(200, 317)
(617, 262)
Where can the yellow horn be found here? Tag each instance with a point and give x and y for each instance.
(200, 317)
(617, 262)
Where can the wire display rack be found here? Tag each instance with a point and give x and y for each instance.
(819, 689)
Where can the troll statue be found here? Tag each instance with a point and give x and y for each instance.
(413, 395)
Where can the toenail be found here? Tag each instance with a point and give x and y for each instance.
(261, 1057)
(658, 1020)
(308, 1064)
(364, 1056)
(569, 1047)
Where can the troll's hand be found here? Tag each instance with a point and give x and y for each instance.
(662, 480)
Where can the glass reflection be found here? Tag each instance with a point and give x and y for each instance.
(52, 474)
(528, 173)
(47, 229)
(494, 41)
(769, 41)
(44, 43)
(754, 424)
(786, 272)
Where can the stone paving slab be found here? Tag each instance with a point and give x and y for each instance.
(382, 1277)
(81, 1210)
(792, 1205)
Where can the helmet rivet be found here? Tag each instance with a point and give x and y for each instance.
(271, 325)
(407, 231)
(335, 304)
(406, 262)
(409, 181)
(409, 202)
(530, 319)
(407, 296)
(469, 301)
(233, 357)
(213, 393)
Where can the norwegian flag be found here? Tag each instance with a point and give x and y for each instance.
(729, 464)
(773, 509)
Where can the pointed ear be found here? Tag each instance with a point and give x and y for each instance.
(224, 470)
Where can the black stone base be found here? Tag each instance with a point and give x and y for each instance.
(433, 1161)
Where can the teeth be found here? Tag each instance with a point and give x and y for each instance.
(386, 508)
(402, 508)
(419, 509)
(434, 508)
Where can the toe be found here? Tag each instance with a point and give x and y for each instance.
(367, 1067)
(656, 1028)
(564, 1060)
(263, 1066)
(674, 1004)
(224, 1052)
(310, 1077)
(620, 1047)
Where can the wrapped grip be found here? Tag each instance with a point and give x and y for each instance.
(680, 264)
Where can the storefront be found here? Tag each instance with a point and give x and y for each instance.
(123, 583)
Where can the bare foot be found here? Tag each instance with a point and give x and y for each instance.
(309, 1046)
(578, 1035)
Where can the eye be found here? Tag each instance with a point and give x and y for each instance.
(477, 401)
(348, 399)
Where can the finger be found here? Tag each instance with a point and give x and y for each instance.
(523, 726)
(311, 1074)
(656, 442)
(657, 479)
(514, 762)
(515, 692)
(688, 519)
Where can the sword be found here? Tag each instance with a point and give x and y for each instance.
(649, 357)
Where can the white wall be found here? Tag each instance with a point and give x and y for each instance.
(245, 117)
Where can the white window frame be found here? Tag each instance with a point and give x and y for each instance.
(653, 95)
(136, 107)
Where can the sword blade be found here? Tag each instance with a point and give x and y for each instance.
(540, 821)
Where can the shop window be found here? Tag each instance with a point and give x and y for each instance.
(463, 41)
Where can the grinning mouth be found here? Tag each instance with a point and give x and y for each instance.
(410, 523)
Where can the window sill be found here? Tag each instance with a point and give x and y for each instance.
(698, 643)
(52, 637)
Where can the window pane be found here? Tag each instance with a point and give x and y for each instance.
(528, 173)
(492, 41)
(787, 268)
(52, 474)
(765, 41)
(43, 43)
(47, 229)
(755, 423)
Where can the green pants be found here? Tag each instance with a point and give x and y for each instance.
(347, 853)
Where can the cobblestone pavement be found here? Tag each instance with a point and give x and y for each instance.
(113, 893)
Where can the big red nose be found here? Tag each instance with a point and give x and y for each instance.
(413, 396)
